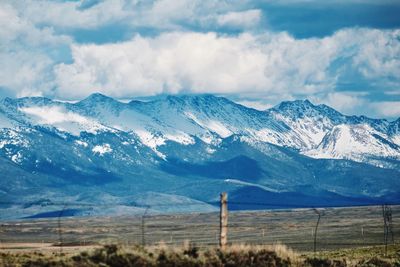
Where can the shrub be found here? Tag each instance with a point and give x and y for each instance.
(315, 262)
(374, 262)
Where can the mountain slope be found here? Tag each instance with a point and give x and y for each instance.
(189, 149)
(327, 133)
(298, 124)
(358, 142)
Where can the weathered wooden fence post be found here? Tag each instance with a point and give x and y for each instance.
(223, 238)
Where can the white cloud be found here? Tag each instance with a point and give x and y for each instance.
(378, 57)
(159, 14)
(53, 115)
(69, 15)
(345, 102)
(197, 62)
(14, 27)
(270, 66)
(62, 119)
(259, 105)
(241, 19)
(269, 63)
(25, 72)
(387, 108)
(393, 93)
(25, 63)
(166, 14)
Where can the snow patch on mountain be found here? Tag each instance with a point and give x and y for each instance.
(308, 122)
(395, 139)
(17, 158)
(62, 119)
(394, 131)
(355, 142)
(102, 149)
(151, 130)
(12, 137)
(81, 143)
(314, 130)
(5, 122)
(191, 148)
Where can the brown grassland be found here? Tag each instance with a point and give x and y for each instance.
(189, 255)
(346, 237)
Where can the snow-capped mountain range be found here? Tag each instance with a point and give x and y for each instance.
(190, 147)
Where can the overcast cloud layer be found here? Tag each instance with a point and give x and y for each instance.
(343, 53)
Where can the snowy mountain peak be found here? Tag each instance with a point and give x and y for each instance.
(304, 108)
(311, 129)
(296, 105)
(97, 98)
(98, 104)
(355, 141)
(199, 100)
(395, 126)
(201, 144)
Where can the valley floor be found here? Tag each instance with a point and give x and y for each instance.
(354, 234)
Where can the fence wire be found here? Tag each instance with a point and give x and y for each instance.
(304, 229)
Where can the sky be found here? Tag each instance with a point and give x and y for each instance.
(343, 53)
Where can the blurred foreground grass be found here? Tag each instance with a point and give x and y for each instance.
(190, 255)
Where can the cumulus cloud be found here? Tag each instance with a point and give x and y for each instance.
(26, 62)
(379, 55)
(246, 18)
(346, 102)
(68, 14)
(259, 105)
(269, 63)
(25, 72)
(196, 62)
(169, 63)
(16, 28)
(191, 46)
(387, 108)
(159, 14)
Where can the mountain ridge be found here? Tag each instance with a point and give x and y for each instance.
(297, 124)
(192, 147)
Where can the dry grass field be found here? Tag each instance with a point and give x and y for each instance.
(349, 236)
(189, 255)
